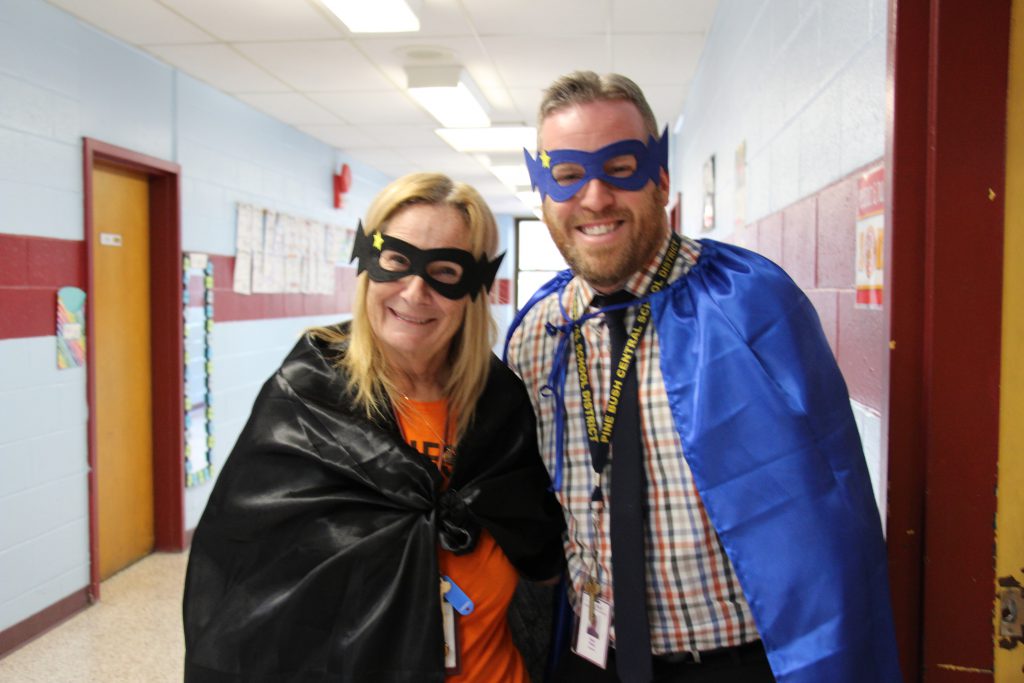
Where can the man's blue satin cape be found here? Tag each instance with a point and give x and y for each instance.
(767, 430)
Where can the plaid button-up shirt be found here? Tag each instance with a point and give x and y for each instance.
(694, 600)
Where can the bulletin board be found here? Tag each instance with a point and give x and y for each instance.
(197, 299)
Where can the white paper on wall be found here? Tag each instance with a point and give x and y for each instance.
(325, 277)
(243, 273)
(248, 238)
(248, 234)
(276, 252)
(339, 243)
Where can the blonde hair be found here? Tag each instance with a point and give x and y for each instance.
(370, 380)
(584, 87)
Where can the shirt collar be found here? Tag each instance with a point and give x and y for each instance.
(639, 281)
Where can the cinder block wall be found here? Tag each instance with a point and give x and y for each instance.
(802, 84)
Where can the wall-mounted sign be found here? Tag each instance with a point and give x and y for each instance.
(110, 239)
(70, 328)
(870, 264)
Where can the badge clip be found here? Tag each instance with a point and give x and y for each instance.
(455, 597)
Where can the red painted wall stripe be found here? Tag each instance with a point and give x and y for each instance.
(813, 239)
(32, 269)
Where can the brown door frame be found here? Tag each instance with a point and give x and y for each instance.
(945, 150)
(167, 327)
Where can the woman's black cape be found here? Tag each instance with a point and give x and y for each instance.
(316, 556)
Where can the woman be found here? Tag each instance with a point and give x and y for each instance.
(388, 476)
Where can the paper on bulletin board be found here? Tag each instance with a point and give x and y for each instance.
(70, 328)
(870, 255)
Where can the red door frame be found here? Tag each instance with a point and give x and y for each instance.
(945, 146)
(167, 327)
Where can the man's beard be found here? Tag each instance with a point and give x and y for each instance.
(609, 267)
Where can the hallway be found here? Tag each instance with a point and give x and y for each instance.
(132, 634)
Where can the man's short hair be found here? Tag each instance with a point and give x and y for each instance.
(583, 87)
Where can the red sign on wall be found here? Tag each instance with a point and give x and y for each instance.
(870, 264)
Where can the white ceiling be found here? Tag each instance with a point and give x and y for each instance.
(295, 61)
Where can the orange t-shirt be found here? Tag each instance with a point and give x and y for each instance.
(487, 653)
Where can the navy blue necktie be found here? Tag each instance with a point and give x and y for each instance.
(628, 499)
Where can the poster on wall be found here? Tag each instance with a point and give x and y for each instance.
(870, 255)
(70, 328)
(739, 209)
(197, 300)
(709, 194)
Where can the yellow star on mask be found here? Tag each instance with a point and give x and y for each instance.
(378, 241)
(545, 160)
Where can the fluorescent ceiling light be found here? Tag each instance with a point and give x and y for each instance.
(493, 139)
(512, 175)
(449, 94)
(375, 16)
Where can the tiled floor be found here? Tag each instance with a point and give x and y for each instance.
(133, 634)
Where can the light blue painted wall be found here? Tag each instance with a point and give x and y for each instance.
(802, 82)
(245, 355)
(44, 524)
(61, 80)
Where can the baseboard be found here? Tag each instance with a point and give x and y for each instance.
(39, 623)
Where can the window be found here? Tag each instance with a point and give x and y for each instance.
(539, 259)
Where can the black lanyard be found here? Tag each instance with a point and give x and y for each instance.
(599, 434)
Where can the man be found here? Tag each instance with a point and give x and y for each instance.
(721, 525)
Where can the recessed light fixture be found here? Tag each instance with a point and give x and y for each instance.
(375, 16)
(449, 94)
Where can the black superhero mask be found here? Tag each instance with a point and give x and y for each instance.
(452, 273)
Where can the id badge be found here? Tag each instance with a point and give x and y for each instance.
(452, 664)
(592, 630)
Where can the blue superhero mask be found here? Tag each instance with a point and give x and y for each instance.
(626, 164)
(452, 273)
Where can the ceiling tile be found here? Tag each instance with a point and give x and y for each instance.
(408, 136)
(545, 62)
(317, 66)
(444, 18)
(392, 53)
(446, 161)
(220, 66)
(137, 22)
(292, 108)
(528, 102)
(658, 16)
(298, 63)
(374, 107)
(532, 18)
(343, 137)
(252, 20)
(664, 59)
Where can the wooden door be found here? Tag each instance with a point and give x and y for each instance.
(121, 334)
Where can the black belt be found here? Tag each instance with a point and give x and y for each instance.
(737, 653)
